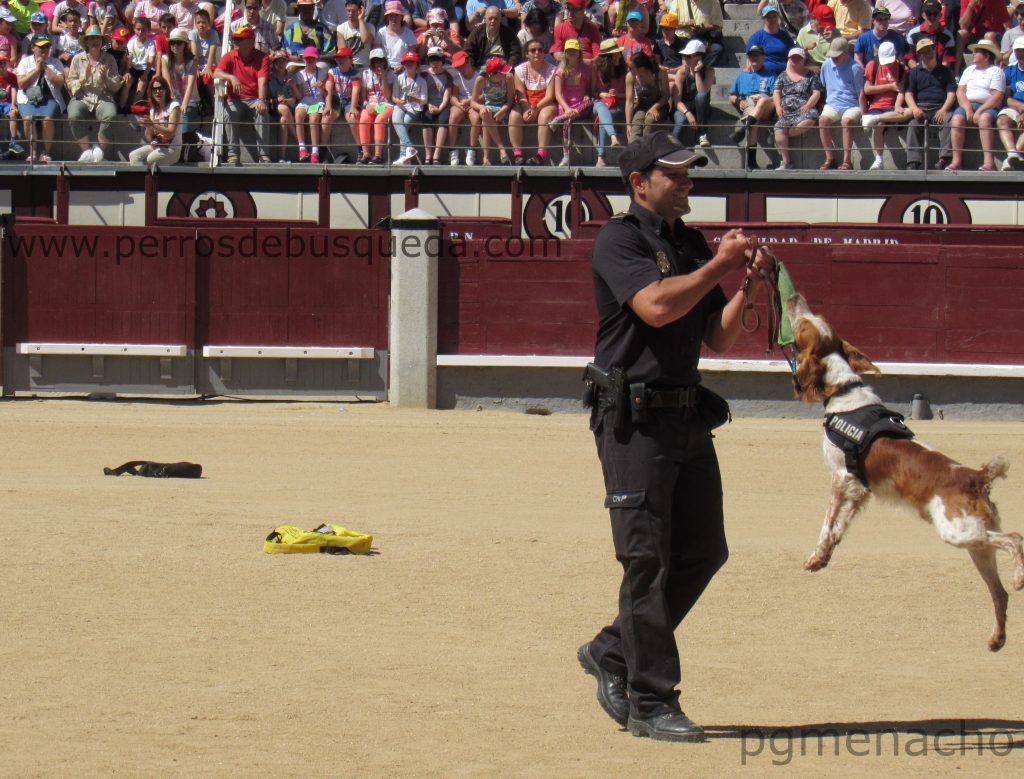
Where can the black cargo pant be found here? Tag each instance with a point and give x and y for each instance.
(916, 130)
(664, 490)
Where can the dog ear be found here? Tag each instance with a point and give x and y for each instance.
(859, 361)
(809, 376)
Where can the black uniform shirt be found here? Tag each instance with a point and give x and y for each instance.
(623, 264)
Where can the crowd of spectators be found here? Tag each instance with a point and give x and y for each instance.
(856, 66)
(520, 73)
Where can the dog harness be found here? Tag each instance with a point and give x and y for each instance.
(855, 431)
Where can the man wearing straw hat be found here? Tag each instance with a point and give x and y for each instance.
(93, 79)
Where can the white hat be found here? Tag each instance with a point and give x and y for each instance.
(797, 51)
(886, 53)
(435, 51)
(696, 46)
(1018, 42)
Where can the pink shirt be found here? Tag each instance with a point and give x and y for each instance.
(150, 10)
(575, 84)
(185, 18)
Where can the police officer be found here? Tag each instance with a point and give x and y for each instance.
(656, 284)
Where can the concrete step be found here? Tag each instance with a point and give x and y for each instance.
(742, 28)
(741, 11)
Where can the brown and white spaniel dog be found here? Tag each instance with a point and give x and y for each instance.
(952, 497)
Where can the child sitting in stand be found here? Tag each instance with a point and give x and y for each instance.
(141, 61)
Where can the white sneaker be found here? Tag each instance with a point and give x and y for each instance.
(870, 120)
(471, 157)
(704, 142)
(1006, 165)
(877, 164)
(565, 162)
(409, 156)
(86, 156)
(453, 158)
(97, 154)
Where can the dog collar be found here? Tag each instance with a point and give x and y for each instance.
(844, 390)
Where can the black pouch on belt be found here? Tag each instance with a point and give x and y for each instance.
(712, 408)
(638, 403)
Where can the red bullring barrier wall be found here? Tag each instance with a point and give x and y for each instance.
(273, 285)
(901, 303)
(238, 286)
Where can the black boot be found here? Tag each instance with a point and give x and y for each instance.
(671, 726)
(611, 688)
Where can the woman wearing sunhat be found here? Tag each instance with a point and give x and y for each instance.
(610, 105)
(180, 69)
(93, 81)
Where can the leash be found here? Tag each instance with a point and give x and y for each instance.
(775, 277)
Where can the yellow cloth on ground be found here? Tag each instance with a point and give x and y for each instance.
(294, 540)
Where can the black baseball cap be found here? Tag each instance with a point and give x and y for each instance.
(658, 148)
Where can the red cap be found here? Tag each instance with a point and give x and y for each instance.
(245, 31)
(825, 16)
(121, 34)
(459, 59)
(494, 65)
(411, 56)
(343, 52)
(578, 3)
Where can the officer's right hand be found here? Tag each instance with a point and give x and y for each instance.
(733, 249)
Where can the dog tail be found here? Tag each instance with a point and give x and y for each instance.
(995, 468)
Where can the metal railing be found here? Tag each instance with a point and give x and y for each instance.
(208, 146)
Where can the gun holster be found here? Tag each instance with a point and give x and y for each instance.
(607, 390)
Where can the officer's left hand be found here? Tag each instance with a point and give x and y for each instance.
(755, 270)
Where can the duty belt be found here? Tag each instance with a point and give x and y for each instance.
(684, 397)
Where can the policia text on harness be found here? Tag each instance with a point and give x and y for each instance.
(855, 431)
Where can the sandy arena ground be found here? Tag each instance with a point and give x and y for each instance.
(145, 633)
